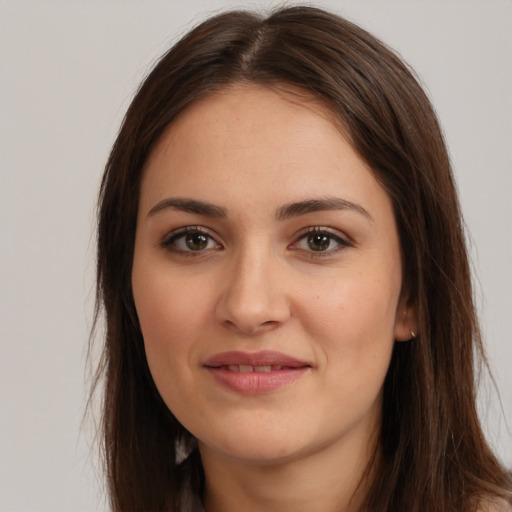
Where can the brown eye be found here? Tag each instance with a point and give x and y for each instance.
(190, 240)
(319, 241)
(196, 241)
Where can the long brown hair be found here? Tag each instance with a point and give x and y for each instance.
(434, 455)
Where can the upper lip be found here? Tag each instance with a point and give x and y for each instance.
(262, 358)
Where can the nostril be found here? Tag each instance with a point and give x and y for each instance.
(251, 328)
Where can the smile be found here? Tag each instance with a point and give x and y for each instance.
(246, 368)
(255, 373)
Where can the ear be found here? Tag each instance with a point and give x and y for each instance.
(406, 321)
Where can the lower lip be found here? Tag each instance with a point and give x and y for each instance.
(254, 383)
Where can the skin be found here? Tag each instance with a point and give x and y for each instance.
(260, 283)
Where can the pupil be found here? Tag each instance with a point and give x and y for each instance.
(318, 242)
(196, 241)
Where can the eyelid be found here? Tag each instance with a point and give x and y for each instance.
(340, 238)
(169, 238)
(343, 241)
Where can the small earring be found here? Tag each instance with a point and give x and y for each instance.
(413, 334)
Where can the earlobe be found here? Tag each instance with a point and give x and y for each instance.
(406, 325)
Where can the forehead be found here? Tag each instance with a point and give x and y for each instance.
(249, 99)
(247, 141)
(242, 115)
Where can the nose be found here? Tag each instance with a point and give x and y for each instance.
(253, 298)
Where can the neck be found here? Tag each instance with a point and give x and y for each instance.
(332, 480)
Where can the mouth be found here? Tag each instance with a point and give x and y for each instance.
(255, 373)
(246, 368)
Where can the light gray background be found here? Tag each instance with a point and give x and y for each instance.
(68, 70)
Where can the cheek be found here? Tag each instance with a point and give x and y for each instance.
(353, 327)
(169, 310)
(164, 309)
(352, 309)
(170, 315)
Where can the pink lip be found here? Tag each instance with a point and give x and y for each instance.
(284, 370)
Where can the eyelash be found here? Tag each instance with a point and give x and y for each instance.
(169, 242)
(343, 243)
(172, 238)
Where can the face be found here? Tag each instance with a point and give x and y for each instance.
(267, 278)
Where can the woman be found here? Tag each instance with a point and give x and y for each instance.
(281, 261)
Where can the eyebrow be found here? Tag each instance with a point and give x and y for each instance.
(285, 212)
(188, 205)
(314, 205)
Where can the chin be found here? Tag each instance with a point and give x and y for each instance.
(263, 443)
(262, 452)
